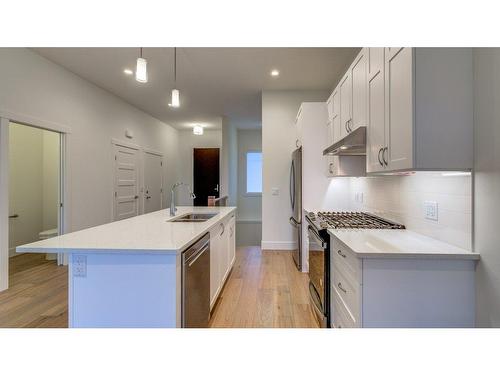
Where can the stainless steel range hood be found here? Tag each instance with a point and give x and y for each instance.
(353, 143)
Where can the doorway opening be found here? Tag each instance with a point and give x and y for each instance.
(34, 198)
(206, 174)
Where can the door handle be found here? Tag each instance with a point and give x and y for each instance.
(13, 216)
(217, 187)
(341, 287)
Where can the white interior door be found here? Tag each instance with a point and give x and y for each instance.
(126, 191)
(153, 182)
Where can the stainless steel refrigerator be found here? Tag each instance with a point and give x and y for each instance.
(296, 204)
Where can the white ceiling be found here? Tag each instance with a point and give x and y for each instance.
(213, 82)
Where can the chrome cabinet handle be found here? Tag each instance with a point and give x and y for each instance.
(341, 254)
(380, 161)
(383, 155)
(330, 168)
(223, 228)
(341, 288)
(349, 125)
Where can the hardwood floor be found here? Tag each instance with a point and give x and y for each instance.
(37, 296)
(264, 289)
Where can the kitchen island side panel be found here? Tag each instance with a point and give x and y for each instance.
(418, 293)
(123, 290)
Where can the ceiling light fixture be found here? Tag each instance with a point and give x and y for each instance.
(141, 70)
(175, 100)
(275, 72)
(198, 130)
(128, 72)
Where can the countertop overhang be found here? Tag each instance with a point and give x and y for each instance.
(396, 243)
(149, 233)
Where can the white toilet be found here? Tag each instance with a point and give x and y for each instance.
(48, 234)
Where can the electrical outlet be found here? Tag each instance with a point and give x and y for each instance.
(79, 265)
(431, 210)
(275, 191)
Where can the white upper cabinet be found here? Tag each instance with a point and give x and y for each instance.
(376, 110)
(417, 105)
(345, 92)
(359, 87)
(398, 152)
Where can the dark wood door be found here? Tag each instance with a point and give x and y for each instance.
(205, 174)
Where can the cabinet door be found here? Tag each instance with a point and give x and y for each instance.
(399, 109)
(345, 89)
(298, 129)
(232, 242)
(335, 103)
(359, 88)
(336, 117)
(329, 107)
(376, 110)
(215, 256)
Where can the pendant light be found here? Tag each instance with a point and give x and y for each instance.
(141, 70)
(175, 100)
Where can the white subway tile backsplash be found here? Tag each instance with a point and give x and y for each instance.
(401, 198)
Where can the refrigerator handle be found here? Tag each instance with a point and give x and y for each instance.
(292, 185)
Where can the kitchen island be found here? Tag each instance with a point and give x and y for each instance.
(128, 273)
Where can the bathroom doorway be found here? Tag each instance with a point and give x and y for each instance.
(34, 191)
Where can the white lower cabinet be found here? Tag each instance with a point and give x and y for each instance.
(222, 255)
(386, 292)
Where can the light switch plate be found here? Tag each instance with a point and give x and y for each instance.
(79, 265)
(431, 210)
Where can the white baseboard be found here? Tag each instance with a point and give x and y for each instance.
(278, 245)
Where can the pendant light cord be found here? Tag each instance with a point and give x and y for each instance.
(175, 66)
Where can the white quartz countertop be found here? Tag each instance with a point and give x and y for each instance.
(151, 232)
(396, 243)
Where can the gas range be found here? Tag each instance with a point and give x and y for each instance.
(349, 220)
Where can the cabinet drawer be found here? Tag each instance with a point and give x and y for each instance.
(341, 317)
(348, 291)
(344, 259)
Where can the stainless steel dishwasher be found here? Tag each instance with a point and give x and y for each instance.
(196, 284)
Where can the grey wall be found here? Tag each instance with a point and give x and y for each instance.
(33, 86)
(487, 184)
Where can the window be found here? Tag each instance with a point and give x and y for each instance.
(254, 172)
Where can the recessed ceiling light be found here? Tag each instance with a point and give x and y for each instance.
(128, 72)
(275, 72)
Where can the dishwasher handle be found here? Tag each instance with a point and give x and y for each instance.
(190, 261)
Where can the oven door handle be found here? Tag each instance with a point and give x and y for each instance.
(322, 243)
(315, 302)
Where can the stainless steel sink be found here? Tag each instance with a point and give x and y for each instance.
(193, 218)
